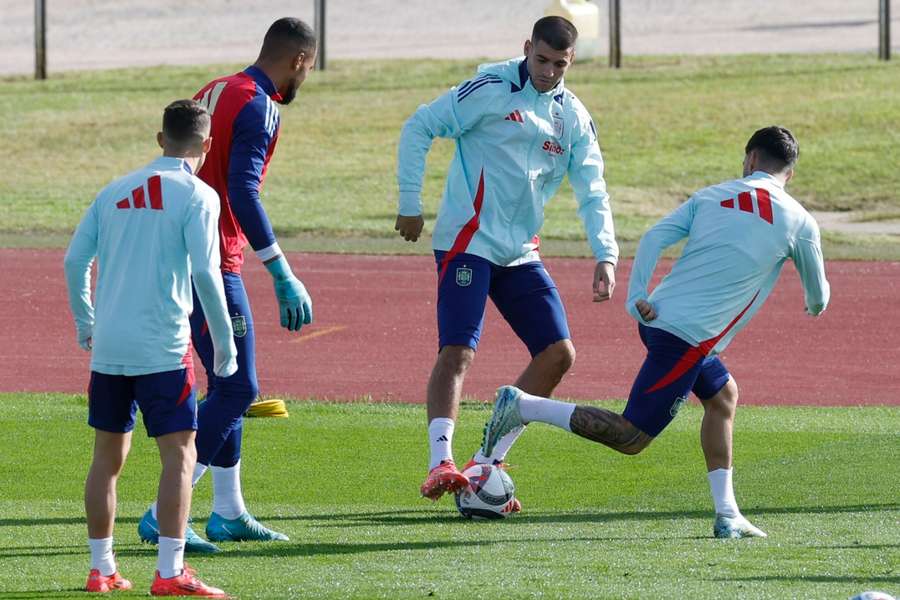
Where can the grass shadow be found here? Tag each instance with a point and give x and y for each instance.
(855, 579)
(423, 517)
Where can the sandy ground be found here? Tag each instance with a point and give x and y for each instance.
(93, 34)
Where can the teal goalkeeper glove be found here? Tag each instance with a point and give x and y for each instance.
(294, 302)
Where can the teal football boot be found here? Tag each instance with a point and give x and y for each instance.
(736, 527)
(505, 418)
(242, 529)
(148, 529)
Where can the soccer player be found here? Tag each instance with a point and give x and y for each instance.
(152, 231)
(739, 234)
(518, 132)
(245, 126)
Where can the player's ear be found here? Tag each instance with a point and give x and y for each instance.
(789, 174)
(159, 139)
(297, 62)
(527, 48)
(207, 145)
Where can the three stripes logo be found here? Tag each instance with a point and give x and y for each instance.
(515, 116)
(745, 204)
(154, 187)
(473, 84)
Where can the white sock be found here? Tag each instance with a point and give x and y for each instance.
(227, 499)
(440, 438)
(102, 557)
(170, 559)
(723, 493)
(153, 512)
(199, 470)
(545, 410)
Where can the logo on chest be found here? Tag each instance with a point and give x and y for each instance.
(557, 126)
(553, 148)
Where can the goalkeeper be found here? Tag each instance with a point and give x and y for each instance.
(245, 127)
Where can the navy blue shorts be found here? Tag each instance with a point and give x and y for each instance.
(166, 400)
(672, 370)
(524, 294)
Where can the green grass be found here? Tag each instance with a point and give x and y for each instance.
(668, 125)
(341, 480)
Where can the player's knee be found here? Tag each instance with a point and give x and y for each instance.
(455, 360)
(636, 447)
(724, 403)
(561, 356)
(633, 439)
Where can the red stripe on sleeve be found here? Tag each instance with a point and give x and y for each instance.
(728, 203)
(745, 202)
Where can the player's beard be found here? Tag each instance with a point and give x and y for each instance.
(289, 94)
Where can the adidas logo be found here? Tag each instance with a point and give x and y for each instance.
(443, 438)
(515, 116)
(745, 204)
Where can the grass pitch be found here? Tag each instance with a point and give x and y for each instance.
(342, 480)
(667, 125)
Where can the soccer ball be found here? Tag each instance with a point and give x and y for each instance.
(872, 595)
(489, 495)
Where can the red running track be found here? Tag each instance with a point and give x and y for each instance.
(374, 335)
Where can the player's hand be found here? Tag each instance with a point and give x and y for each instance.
(86, 344)
(410, 228)
(604, 281)
(294, 303)
(225, 360)
(84, 334)
(645, 309)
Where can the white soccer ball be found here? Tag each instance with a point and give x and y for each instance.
(489, 495)
(872, 595)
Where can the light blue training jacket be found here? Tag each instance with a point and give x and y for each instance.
(151, 232)
(514, 145)
(739, 235)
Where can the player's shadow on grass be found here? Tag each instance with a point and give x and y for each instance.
(860, 580)
(59, 521)
(441, 515)
(288, 550)
(33, 594)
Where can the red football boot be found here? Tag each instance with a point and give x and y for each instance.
(442, 479)
(106, 583)
(185, 584)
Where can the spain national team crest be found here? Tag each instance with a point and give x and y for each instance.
(239, 325)
(557, 126)
(679, 402)
(463, 276)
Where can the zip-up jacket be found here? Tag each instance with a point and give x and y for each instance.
(514, 145)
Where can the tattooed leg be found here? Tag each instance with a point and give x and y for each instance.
(608, 428)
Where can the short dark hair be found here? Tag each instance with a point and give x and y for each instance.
(288, 35)
(185, 122)
(557, 32)
(776, 146)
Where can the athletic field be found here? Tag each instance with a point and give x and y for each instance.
(816, 436)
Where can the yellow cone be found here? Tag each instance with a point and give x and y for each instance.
(273, 407)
